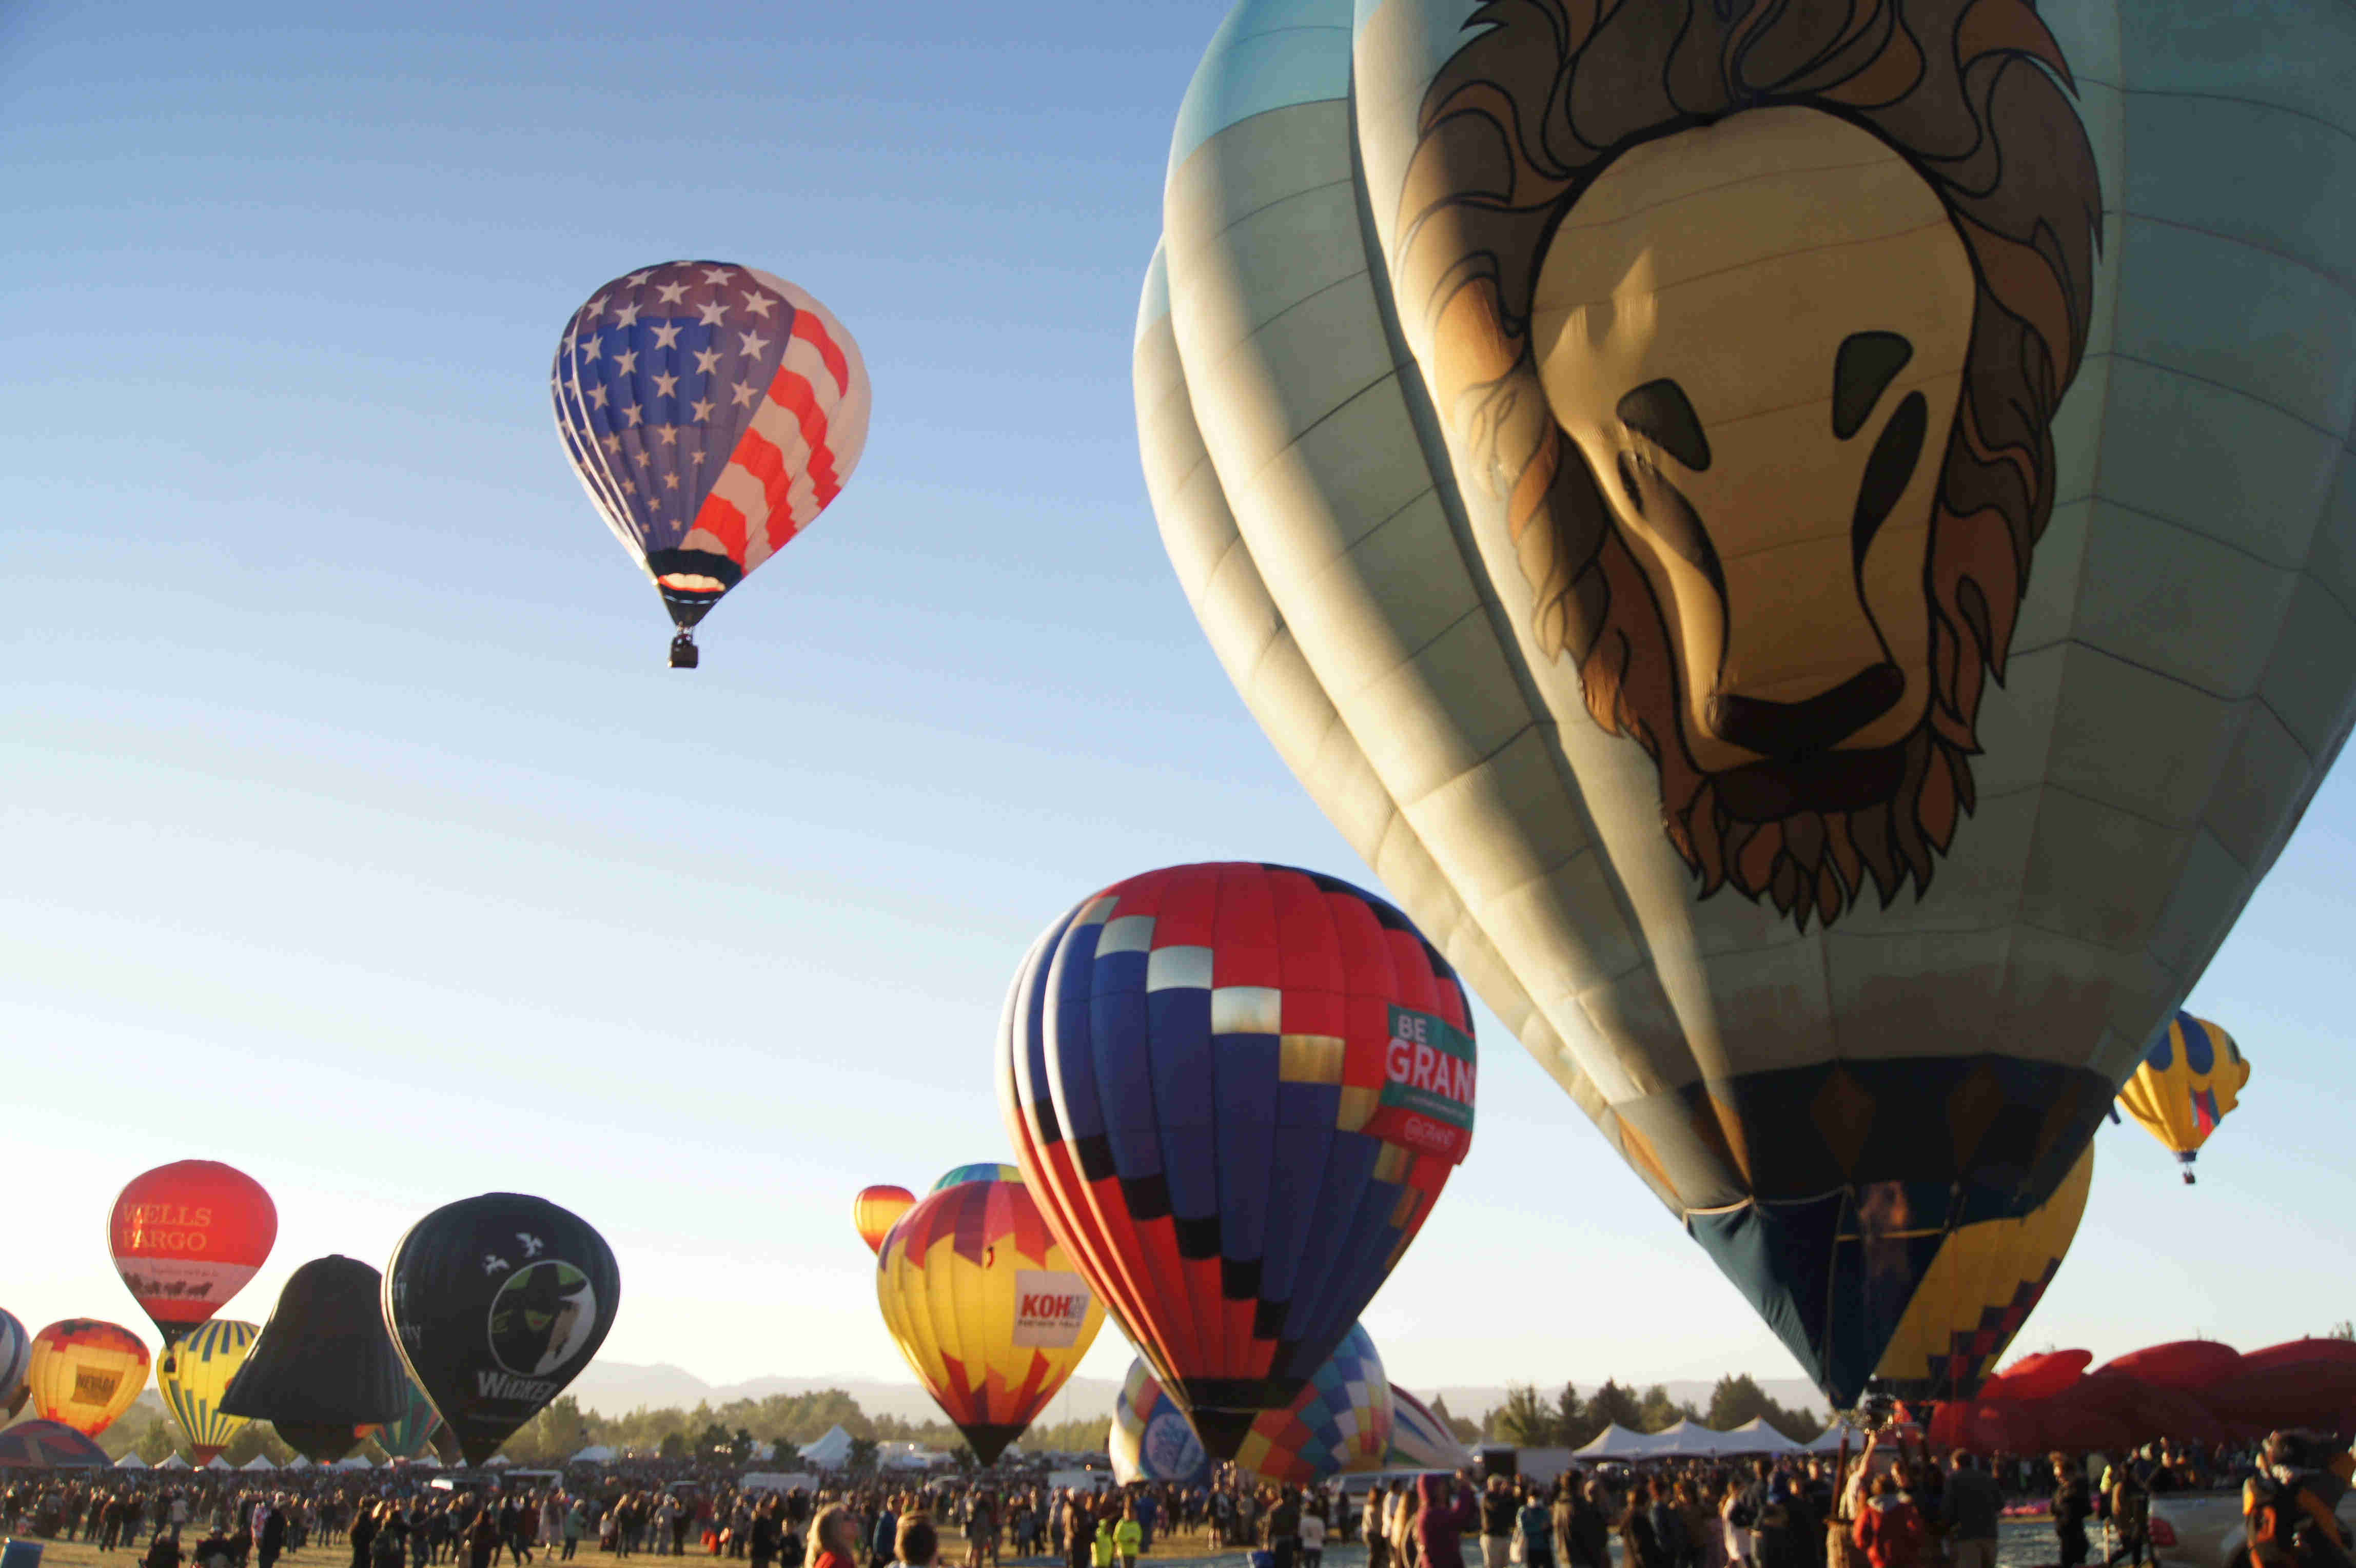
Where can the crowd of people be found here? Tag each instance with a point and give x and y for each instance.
(1892, 1506)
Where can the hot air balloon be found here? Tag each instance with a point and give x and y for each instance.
(1419, 1439)
(1237, 1091)
(876, 1210)
(185, 1237)
(986, 1307)
(194, 1375)
(497, 1303)
(324, 1366)
(1619, 506)
(1340, 1420)
(1978, 1291)
(983, 1172)
(15, 1362)
(1152, 1440)
(413, 1433)
(712, 413)
(84, 1373)
(2192, 1075)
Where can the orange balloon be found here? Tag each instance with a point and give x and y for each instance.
(85, 1373)
(876, 1210)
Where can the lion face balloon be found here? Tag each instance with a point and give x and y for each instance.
(1821, 614)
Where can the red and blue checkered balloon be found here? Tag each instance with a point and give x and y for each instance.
(1342, 1421)
(1236, 1091)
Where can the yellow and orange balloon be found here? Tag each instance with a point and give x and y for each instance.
(85, 1373)
(2187, 1082)
(987, 1307)
(876, 1210)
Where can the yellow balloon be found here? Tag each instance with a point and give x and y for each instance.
(194, 1374)
(85, 1373)
(1982, 1285)
(2192, 1075)
(987, 1307)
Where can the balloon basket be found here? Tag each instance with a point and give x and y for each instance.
(683, 654)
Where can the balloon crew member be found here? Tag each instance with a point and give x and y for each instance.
(2071, 1507)
(2290, 1509)
(2130, 1516)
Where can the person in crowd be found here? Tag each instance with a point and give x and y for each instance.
(269, 1539)
(1639, 1546)
(916, 1544)
(1889, 1528)
(1405, 1547)
(1440, 1520)
(1970, 1505)
(163, 1552)
(1498, 1508)
(1312, 1541)
(1532, 1544)
(2071, 1504)
(362, 1538)
(833, 1539)
(482, 1537)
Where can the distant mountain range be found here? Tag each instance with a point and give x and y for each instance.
(616, 1388)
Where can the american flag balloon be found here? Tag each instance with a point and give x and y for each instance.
(711, 411)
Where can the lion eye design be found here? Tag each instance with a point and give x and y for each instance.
(1661, 413)
(1868, 363)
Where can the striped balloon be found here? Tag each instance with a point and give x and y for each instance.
(712, 411)
(194, 1374)
(408, 1437)
(1342, 1421)
(15, 1362)
(1237, 1091)
(1419, 1439)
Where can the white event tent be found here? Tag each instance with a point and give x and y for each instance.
(176, 1462)
(258, 1464)
(1616, 1442)
(131, 1462)
(831, 1452)
(1755, 1437)
(595, 1453)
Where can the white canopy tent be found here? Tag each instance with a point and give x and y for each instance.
(176, 1462)
(352, 1462)
(497, 1462)
(1755, 1437)
(258, 1464)
(831, 1452)
(1688, 1440)
(218, 1463)
(425, 1462)
(595, 1453)
(1616, 1442)
(131, 1462)
(1829, 1440)
(298, 1462)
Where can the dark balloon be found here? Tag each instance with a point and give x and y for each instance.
(497, 1303)
(322, 1365)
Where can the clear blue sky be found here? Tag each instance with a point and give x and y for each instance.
(354, 833)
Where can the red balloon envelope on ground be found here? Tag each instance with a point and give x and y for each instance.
(187, 1237)
(2038, 1376)
(2308, 1383)
(2191, 1365)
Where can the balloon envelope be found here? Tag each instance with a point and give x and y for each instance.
(2187, 1082)
(985, 1305)
(185, 1237)
(985, 1171)
(413, 1433)
(15, 1362)
(497, 1303)
(712, 413)
(194, 1376)
(1152, 1440)
(1419, 1439)
(876, 1210)
(1979, 1290)
(1237, 1091)
(1341, 1421)
(84, 1373)
(1838, 864)
(48, 1446)
(323, 1366)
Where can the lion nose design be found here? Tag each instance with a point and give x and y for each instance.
(1788, 732)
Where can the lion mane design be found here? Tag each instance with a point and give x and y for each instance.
(1543, 98)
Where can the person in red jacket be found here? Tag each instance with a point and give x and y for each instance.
(1439, 1524)
(1889, 1529)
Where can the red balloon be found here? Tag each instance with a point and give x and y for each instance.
(2308, 1383)
(2191, 1365)
(187, 1237)
(2038, 1376)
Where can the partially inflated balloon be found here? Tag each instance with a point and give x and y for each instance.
(324, 1366)
(187, 1237)
(712, 413)
(497, 1303)
(84, 1373)
(194, 1375)
(876, 1210)
(1341, 1421)
(413, 1433)
(986, 1307)
(1237, 1089)
(984, 1172)
(1419, 1439)
(1977, 1293)
(2187, 1083)
(15, 1362)
(1152, 1440)
(1828, 646)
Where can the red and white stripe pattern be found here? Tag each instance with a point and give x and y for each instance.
(803, 442)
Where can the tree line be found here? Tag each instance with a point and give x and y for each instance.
(1529, 1419)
